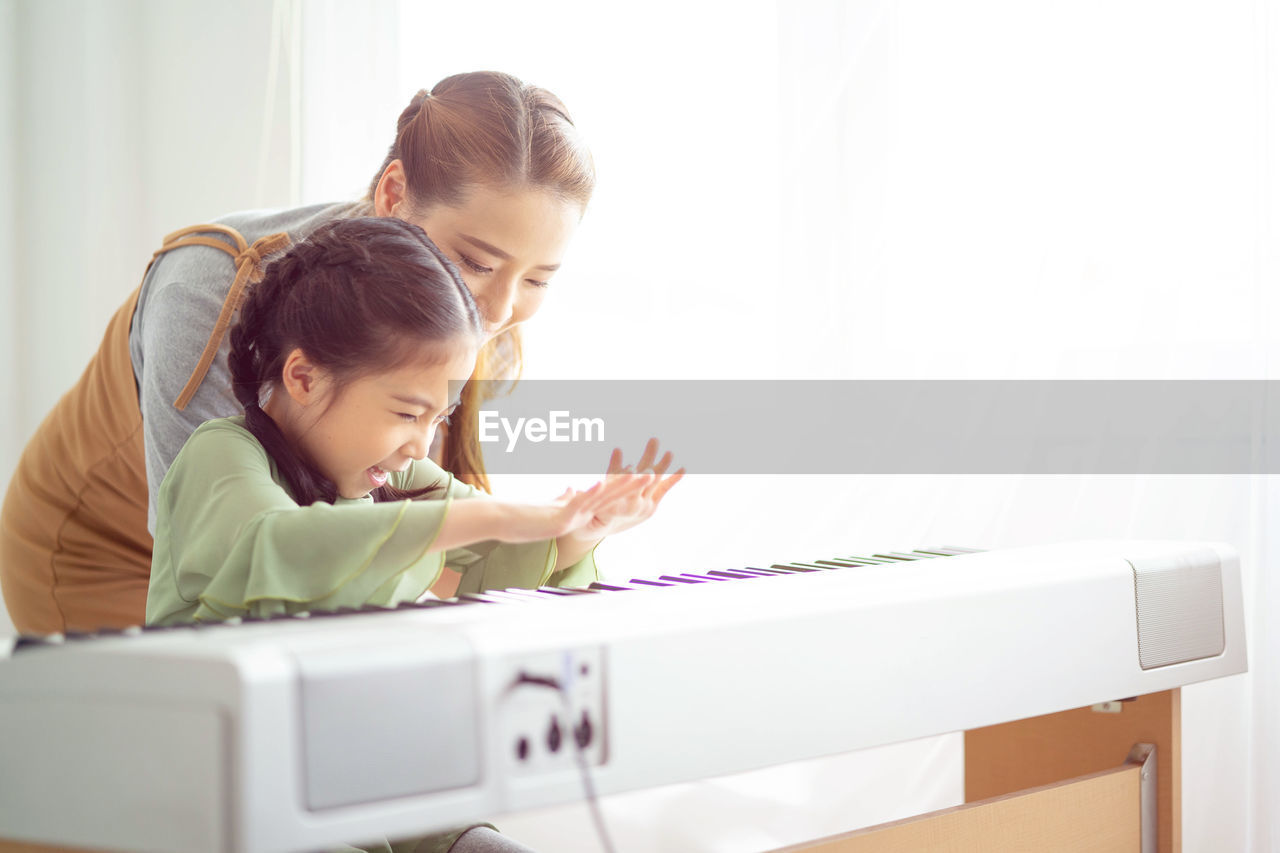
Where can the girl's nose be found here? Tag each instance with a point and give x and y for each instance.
(419, 446)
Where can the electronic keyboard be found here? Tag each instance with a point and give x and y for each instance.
(305, 732)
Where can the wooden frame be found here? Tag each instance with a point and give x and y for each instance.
(1016, 797)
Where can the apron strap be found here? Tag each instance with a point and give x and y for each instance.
(248, 262)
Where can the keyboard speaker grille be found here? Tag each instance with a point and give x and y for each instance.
(1179, 608)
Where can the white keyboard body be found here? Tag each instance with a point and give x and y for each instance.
(301, 734)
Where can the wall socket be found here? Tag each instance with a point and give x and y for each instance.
(541, 732)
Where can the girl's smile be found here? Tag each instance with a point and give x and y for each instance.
(390, 416)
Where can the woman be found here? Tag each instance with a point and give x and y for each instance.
(494, 172)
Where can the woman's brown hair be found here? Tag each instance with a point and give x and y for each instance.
(485, 128)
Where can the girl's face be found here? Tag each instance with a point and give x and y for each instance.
(507, 244)
(375, 424)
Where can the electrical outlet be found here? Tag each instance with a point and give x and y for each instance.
(541, 731)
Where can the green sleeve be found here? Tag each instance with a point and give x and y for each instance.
(499, 565)
(231, 541)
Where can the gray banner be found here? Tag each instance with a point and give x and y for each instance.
(889, 426)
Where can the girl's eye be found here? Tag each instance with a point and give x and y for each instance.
(537, 283)
(475, 267)
(405, 416)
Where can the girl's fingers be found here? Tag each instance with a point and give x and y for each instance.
(632, 483)
(585, 502)
(650, 451)
(601, 493)
(663, 464)
(617, 492)
(663, 487)
(615, 461)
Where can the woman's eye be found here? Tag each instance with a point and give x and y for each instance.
(537, 283)
(475, 267)
(445, 415)
(405, 416)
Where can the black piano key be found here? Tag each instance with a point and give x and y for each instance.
(872, 560)
(508, 596)
(476, 597)
(678, 579)
(649, 582)
(781, 570)
(806, 565)
(609, 587)
(845, 564)
(702, 576)
(564, 590)
(26, 642)
(740, 573)
(905, 555)
(952, 551)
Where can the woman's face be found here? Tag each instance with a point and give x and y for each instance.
(508, 245)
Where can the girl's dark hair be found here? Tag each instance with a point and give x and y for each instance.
(486, 128)
(356, 296)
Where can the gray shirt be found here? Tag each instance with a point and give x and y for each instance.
(181, 298)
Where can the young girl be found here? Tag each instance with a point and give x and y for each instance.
(343, 358)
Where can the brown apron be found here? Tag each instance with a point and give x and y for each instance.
(75, 554)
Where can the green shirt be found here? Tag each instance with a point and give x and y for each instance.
(231, 541)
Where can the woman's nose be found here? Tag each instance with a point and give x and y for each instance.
(496, 301)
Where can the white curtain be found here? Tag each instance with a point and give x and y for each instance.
(913, 189)
(122, 121)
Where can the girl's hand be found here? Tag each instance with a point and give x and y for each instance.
(627, 508)
(577, 520)
(572, 510)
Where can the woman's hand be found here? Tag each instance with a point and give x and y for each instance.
(629, 508)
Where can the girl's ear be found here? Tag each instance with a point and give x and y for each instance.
(390, 193)
(303, 380)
